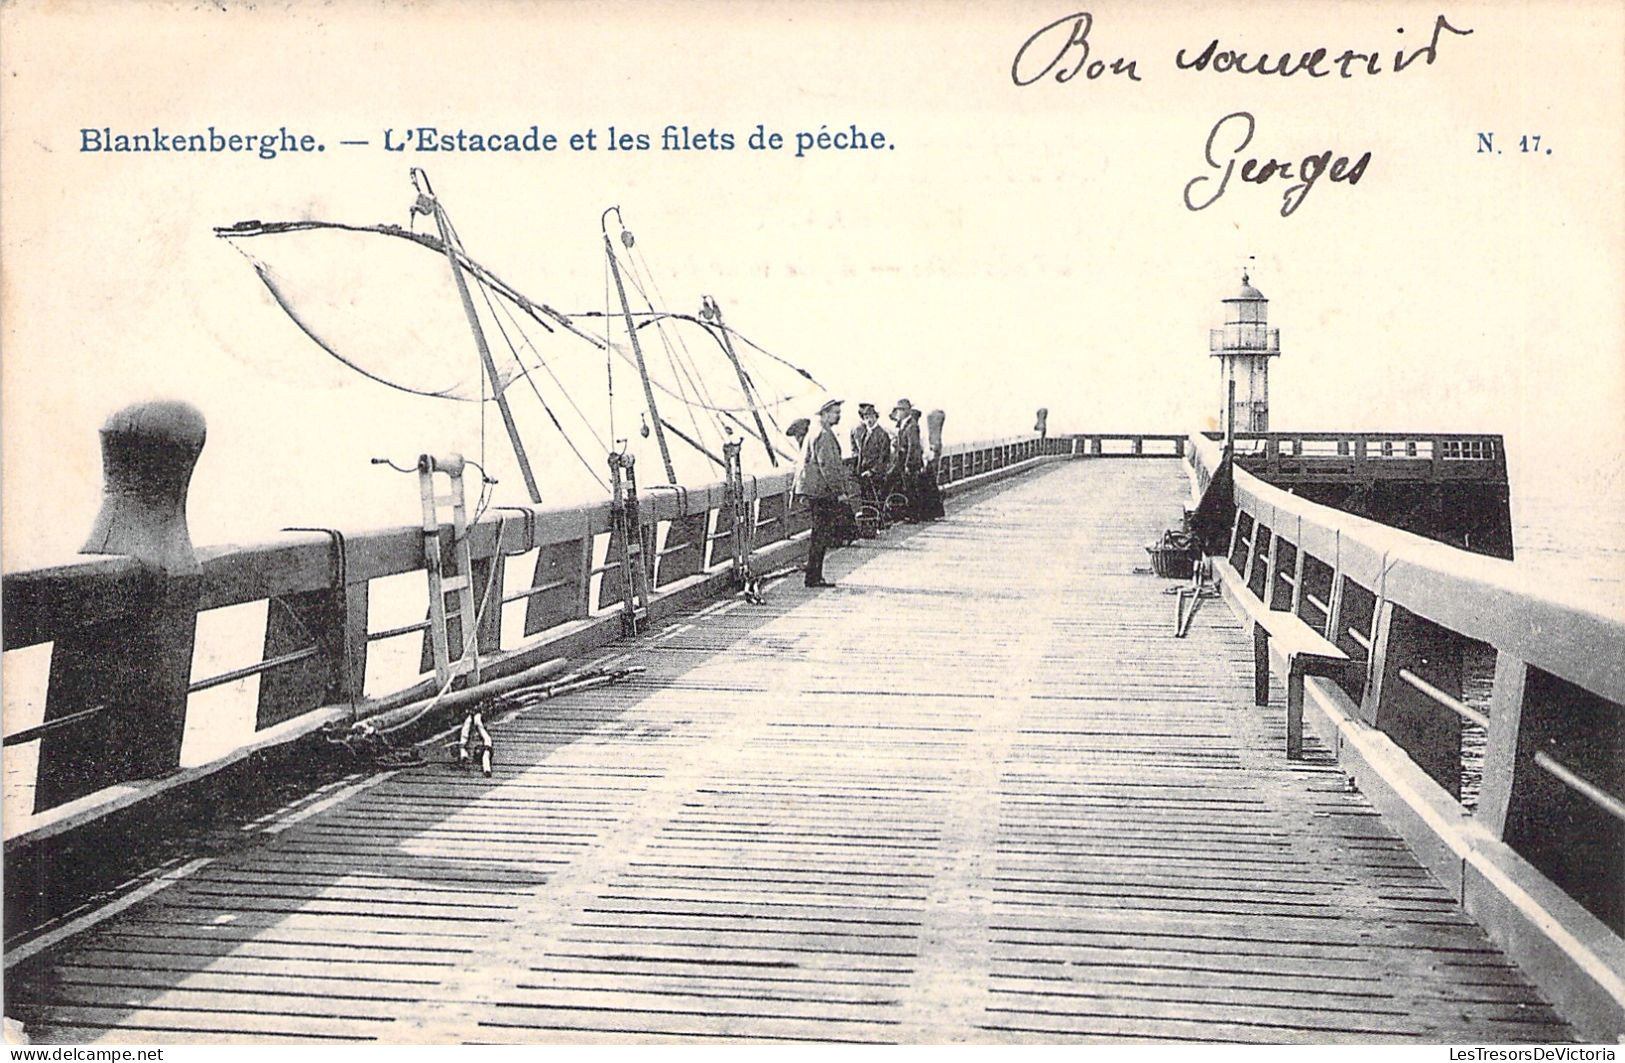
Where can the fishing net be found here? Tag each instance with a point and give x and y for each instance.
(384, 301)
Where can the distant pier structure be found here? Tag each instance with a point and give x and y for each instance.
(1447, 486)
(1244, 345)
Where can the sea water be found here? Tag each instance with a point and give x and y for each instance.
(1574, 539)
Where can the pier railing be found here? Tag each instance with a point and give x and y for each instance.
(121, 632)
(1370, 456)
(1121, 445)
(1545, 840)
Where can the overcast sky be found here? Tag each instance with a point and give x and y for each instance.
(1016, 248)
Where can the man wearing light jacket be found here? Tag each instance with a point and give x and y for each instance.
(821, 479)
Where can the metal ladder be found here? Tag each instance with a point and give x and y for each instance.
(743, 519)
(440, 584)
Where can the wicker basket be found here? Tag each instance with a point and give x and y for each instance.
(1174, 557)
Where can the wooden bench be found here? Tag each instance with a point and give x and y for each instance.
(1306, 652)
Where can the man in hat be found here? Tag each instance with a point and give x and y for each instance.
(871, 446)
(907, 458)
(821, 479)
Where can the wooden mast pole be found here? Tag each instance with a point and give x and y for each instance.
(637, 349)
(712, 310)
(1230, 418)
(427, 203)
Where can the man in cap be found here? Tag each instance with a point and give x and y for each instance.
(907, 458)
(821, 479)
(871, 446)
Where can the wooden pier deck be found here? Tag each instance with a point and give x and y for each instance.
(977, 792)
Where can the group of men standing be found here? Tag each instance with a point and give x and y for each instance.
(891, 477)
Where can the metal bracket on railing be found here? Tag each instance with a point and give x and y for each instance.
(340, 556)
(530, 527)
(679, 491)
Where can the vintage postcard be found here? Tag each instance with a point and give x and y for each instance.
(1002, 523)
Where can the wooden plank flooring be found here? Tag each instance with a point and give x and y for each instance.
(977, 792)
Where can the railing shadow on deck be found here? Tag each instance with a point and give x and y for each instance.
(1540, 860)
(193, 949)
(119, 634)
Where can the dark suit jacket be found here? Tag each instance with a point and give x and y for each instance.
(872, 447)
(907, 459)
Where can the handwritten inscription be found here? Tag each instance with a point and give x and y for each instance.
(1230, 137)
(1066, 40)
(1062, 50)
(1315, 62)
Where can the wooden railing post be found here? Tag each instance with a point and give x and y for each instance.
(1269, 566)
(1334, 603)
(1298, 569)
(1560, 727)
(138, 666)
(489, 577)
(1376, 662)
(684, 551)
(326, 618)
(583, 588)
(561, 584)
(1424, 729)
(1501, 751)
(354, 664)
(1252, 550)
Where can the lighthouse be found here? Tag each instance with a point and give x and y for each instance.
(1244, 346)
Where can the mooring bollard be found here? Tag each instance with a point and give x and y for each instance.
(136, 667)
(148, 453)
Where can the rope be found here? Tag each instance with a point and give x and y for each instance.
(538, 391)
(681, 355)
(486, 483)
(671, 360)
(541, 361)
(735, 333)
(267, 276)
(541, 313)
(609, 356)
